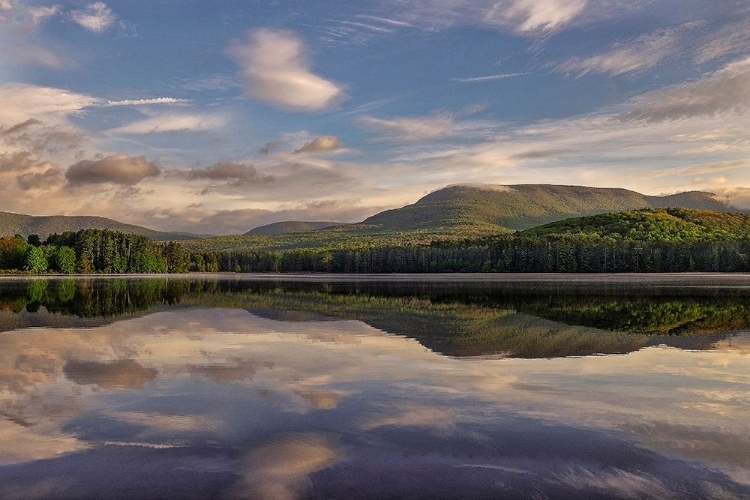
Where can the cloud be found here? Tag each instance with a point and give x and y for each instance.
(41, 139)
(37, 15)
(488, 78)
(411, 129)
(732, 38)
(280, 469)
(20, 126)
(174, 122)
(726, 90)
(115, 169)
(275, 70)
(534, 15)
(143, 102)
(268, 147)
(19, 161)
(525, 17)
(121, 374)
(322, 143)
(625, 57)
(47, 179)
(236, 173)
(96, 17)
(24, 54)
(22, 101)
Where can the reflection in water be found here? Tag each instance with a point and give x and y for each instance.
(204, 389)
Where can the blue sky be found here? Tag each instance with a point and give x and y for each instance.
(221, 116)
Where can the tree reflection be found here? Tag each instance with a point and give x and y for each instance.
(456, 319)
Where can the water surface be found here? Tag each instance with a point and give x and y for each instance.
(332, 387)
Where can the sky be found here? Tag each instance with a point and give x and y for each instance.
(219, 116)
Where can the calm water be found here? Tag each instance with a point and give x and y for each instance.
(338, 387)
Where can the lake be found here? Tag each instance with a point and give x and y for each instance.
(338, 387)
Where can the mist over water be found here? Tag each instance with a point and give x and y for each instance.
(330, 387)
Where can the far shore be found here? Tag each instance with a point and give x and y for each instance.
(703, 279)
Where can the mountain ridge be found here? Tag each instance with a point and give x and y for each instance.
(44, 225)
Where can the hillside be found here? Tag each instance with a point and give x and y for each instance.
(460, 212)
(289, 227)
(487, 209)
(657, 225)
(25, 225)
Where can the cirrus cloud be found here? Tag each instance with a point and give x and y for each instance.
(275, 69)
(115, 169)
(726, 90)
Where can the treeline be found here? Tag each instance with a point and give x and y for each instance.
(91, 251)
(580, 253)
(104, 251)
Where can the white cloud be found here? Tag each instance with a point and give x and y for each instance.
(22, 101)
(96, 17)
(534, 15)
(624, 57)
(275, 69)
(174, 122)
(526, 17)
(144, 102)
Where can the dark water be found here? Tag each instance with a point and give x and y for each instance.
(390, 387)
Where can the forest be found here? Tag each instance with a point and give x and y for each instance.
(648, 240)
(90, 251)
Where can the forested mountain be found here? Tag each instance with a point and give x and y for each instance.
(11, 224)
(657, 225)
(290, 227)
(491, 209)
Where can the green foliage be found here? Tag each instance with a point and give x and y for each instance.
(36, 260)
(64, 260)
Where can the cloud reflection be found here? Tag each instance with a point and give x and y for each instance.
(292, 397)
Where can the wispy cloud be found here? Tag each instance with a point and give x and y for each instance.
(628, 56)
(525, 17)
(411, 129)
(731, 39)
(726, 90)
(276, 70)
(173, 122)
(96, 17)
(488, 78)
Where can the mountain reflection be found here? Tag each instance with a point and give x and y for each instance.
(455, 319)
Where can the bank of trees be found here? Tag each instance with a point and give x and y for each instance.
(567, 253)
(575, 249)
(91, 251)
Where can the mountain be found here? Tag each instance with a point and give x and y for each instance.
(290, 227)
(488, 208)
(25, 225)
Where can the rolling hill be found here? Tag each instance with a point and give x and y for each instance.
(487, 209)
(25, 225)
(661, 224)
(290, 227)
